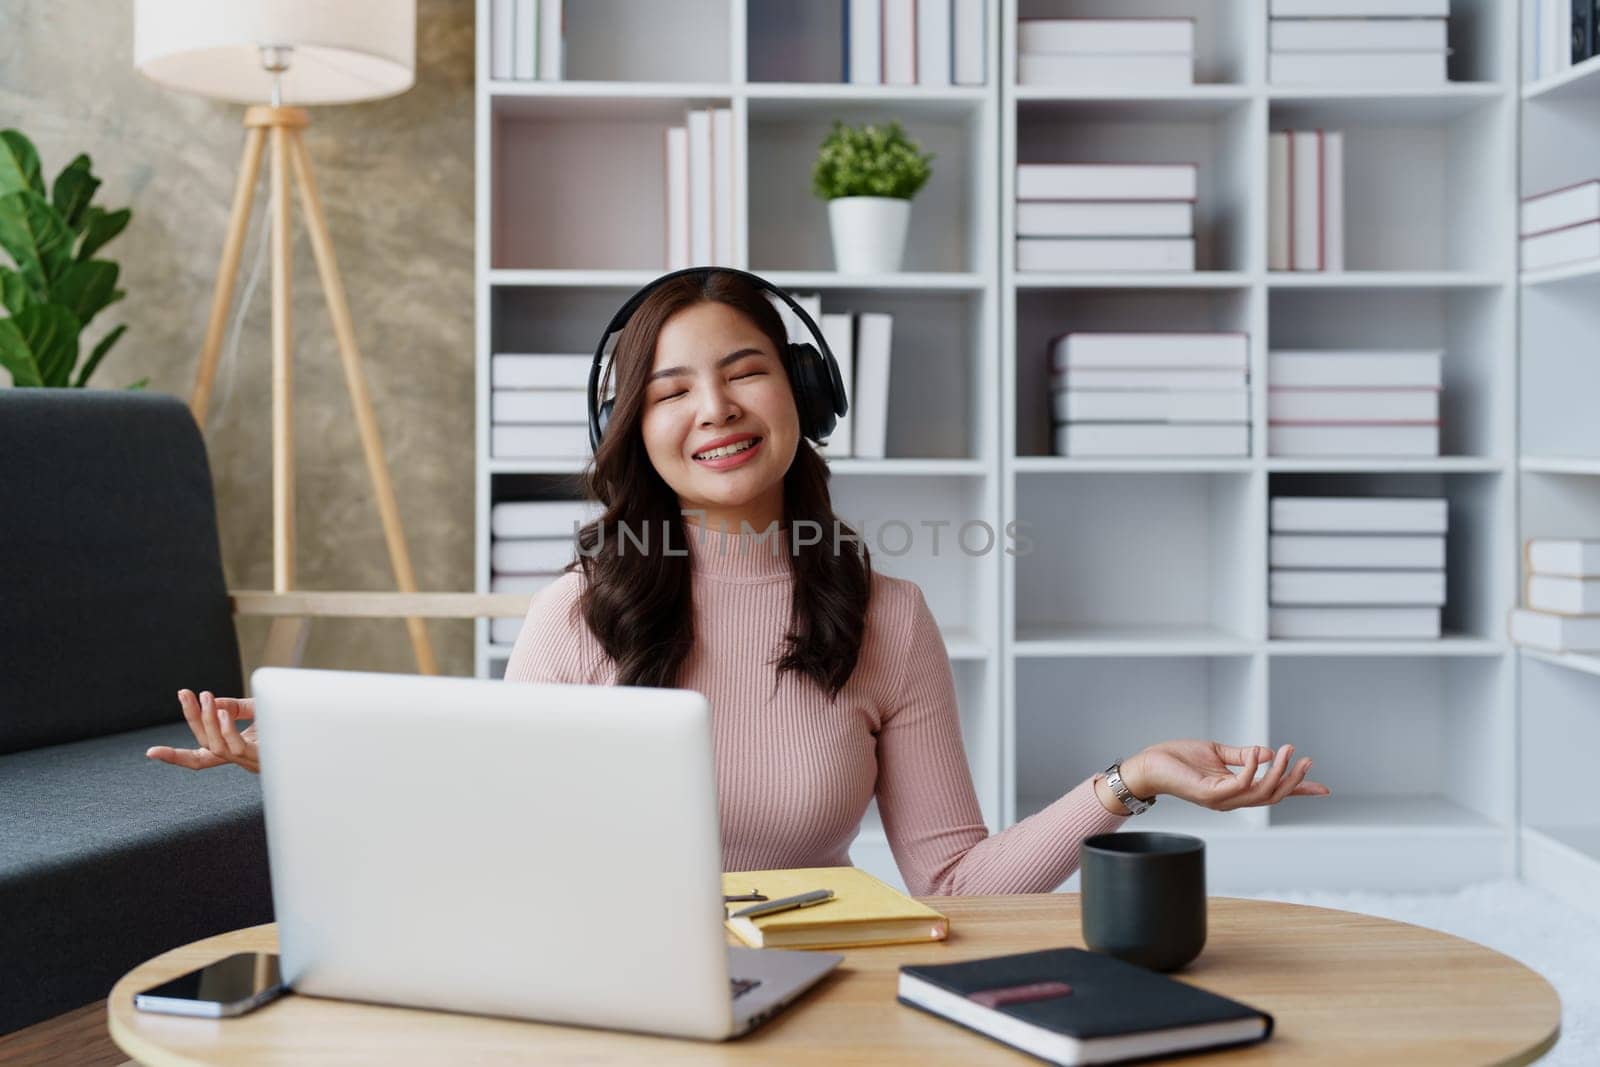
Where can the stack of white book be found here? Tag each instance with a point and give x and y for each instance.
(1356, 567)
(914, 42)
(859, 342)
(1562, 612)
(1386, 43)
(530, 544)
(1151, 394)
(1305, 200)
(1141, 52)
(701, 192)
(1561, 226)
(1353, 403)
(538, 406)
(1106, 216)
(527, 40)
(1548, 44)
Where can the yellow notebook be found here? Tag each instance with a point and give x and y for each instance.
(863, 911)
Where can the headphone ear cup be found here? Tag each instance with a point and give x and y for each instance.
(603, 418)
(813, 391)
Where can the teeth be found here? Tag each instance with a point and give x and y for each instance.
(726, 450)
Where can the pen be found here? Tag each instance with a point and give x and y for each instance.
(803, 900)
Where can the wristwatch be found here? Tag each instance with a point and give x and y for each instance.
(1134, 805)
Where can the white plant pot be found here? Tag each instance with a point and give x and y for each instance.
(869, 233)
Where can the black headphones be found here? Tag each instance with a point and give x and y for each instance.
(819, 390)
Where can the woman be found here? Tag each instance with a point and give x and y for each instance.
(829, 684)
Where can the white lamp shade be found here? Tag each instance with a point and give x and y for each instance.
(343, 50)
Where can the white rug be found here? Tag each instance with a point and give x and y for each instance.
(1525, 923)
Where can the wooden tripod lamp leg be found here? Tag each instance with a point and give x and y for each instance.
(356, 383)
(222, 295)
(282, 370)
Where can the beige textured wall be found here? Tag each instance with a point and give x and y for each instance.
(396, 181)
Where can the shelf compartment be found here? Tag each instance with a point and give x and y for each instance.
(687, 40)
(1217, 136)
(1222, 33)
(1560, 732)
(1147, 552)
(1560, 376)
(1404, 743)
(1472, 327)
(1559, 505)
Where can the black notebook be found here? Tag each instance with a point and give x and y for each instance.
(1070, 1006)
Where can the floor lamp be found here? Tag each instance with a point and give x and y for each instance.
(303, 52)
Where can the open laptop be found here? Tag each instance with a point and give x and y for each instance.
(544, 852)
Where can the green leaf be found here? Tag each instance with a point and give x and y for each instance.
(99, 353)
(39, 243)
(16, 356)
(19, 164)
(100, 226)
(73, 190)
(85, 288)
(14, 295)
(50, 332)
(869, 160)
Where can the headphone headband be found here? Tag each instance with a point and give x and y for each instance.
(837, 402)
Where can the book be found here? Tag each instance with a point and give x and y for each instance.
(1359, 9)
(504, 631)
(1570, 244)
(677, 145)
(1305, 199)
(1072, 1006)
(538, 405)
(1369, 552)
(1332, 514)
(525, 57)
(1565, 557)
(547, 441)
(1353, 439)
(1355, 369)
(1146, 36)
(531, 555)
(1151, 439)
(1366, 69)
(722, 193)
(933, 42)
(1280, 228)
(701, 183)
(1314, 623)
(1555, 633)
(502, 39)
(1357, 35)
(839, 331)
(541, 518)
(537, 371)
(899, 41)
(1088, 218)
(1087, 378)
(1105, 254)
(1123, 71)
(971, 32)
(1151, 405)
(1373, 588)
(1333, 200)
(870, 401)
(863, 47)
(1563, 596)
(863, 911)
(1560, 208)
(1353, 405)
(1107, 181)
(1175, 350)
(552, 40)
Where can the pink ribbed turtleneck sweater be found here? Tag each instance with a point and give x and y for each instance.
(795, 771)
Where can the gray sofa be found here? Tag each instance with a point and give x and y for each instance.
(111, 599)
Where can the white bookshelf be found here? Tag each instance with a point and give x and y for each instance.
(1141, 614)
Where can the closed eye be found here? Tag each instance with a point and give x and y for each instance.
(671, 396)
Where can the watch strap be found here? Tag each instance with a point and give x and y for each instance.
(1134, 805)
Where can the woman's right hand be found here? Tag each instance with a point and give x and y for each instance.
(214, 723)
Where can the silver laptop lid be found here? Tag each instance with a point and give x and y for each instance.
(539, 851)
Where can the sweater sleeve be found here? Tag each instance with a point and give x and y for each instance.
(554, 644)
(930, 810)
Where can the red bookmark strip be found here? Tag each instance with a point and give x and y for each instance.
(1018, 994)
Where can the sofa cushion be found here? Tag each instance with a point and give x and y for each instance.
(108, 858)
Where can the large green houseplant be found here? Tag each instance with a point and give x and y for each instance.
(868, 175)
(55, 286)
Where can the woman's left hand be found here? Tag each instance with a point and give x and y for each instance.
(1199, 772)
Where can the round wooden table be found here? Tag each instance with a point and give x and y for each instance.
(1344, 989)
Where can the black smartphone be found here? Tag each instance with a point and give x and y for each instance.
(231, 986)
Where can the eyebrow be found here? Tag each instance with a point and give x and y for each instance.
(669, 372)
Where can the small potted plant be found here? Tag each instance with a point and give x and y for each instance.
(868, 175)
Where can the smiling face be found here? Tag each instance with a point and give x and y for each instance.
(719, 419)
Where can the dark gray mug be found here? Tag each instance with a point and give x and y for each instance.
(1144, 897)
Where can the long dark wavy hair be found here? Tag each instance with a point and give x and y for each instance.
(638, 603)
